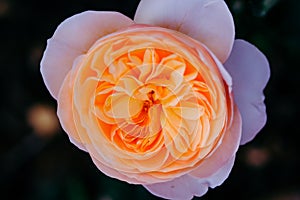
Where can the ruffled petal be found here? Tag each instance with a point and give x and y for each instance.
(211, 173)
(65, 113)
(74, 37)
(220, 158)
(250, 72)
(208, 21)
(182, 188)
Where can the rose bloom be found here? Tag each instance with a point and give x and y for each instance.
(163, 100)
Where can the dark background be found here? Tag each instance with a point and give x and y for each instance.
(39, 162)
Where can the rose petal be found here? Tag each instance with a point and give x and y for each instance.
(74, 37)
(208, 21)
(250, 72)
(220, 176)
(211, 173)
(123, 106)
(187, 186)
(65, 114)
(222, 155)
(56, 62)
(112, 172)
(184, 187)
(132, 178)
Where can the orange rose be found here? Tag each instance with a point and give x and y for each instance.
(151, 105)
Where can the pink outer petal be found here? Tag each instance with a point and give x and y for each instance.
(187, 186)
(74, 37)
(211, 173)
(208, 21)
(250, 72)
(182, 188)
(221, 175)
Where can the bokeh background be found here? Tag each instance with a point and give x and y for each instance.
(39, 162)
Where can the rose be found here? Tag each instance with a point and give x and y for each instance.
(164, 100)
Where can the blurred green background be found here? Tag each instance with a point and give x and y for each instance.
(39, 162)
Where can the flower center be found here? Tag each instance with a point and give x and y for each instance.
(149, 97)
(151, 100)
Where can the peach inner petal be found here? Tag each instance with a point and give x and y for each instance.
(147, 95)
